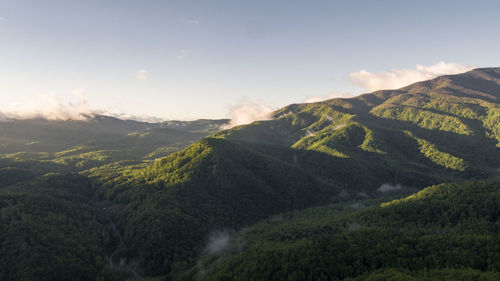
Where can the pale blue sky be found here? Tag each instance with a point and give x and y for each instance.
(202, 57)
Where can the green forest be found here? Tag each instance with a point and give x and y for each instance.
(391, 185)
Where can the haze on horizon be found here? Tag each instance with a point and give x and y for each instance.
(157, 60)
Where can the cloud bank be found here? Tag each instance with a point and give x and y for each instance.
(248, 111)
(53, 107)
(49, 107)
(397, 78)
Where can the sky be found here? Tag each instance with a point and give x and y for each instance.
(209, 59)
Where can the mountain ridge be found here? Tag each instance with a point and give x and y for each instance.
(168, 202)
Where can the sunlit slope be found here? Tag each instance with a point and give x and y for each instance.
(444, 232)
(167, 209)
(428, 132)
(436, 131)
(80, 145)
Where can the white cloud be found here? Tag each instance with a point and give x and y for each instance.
(141, 75)
(2, 19)
(53, 107)
(50, 107)
(397, 78)
(332, 95)
(248, 111)
(183, 53)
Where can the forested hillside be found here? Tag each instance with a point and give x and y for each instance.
(444, 232)
(331, 190)
(426, 133)
(36, 146)
(50, 230)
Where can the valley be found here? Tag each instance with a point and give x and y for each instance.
(391, 185)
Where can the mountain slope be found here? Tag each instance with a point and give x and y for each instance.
(34, 147)
(168, 209)
(442, 130)
(51, 230)
(453, 226)
(166, 212)
(425, 133)
(41, 135)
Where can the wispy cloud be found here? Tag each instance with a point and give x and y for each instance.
(387, 187)
(397, 78)
(248, 111)
(332, 95)
(183, 53)
(192, 21)
(117, 113)
(141, 75)
(2, 19)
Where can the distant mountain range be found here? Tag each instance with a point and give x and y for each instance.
(331, 190)
(42, 135)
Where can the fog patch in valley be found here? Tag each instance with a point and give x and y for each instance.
(388, 187)
(217, 242)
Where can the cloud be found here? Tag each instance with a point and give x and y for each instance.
(192, 21)
(332, 95)
(217, 242)
(141, 75)
(248, 111)
(387, 187)
(2, 19)
(183, 53)
(50, 107)
(397, 78)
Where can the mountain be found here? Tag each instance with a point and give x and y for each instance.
(425, 133)
(38, 146)
(211, 185)
(42, 135)
(444, 232)
(442, 130)
(303, 193)
(51, 230)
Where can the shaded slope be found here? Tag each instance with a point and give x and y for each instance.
(50, 230)
(444, 226)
